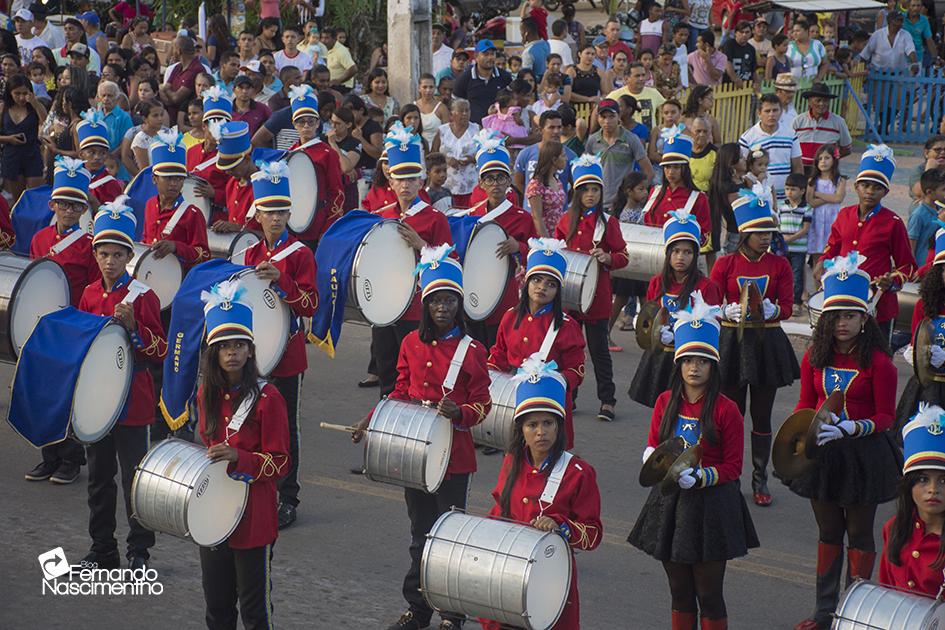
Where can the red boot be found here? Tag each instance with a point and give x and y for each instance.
(714, 624)
(684, 620)
(829, 571)
(859, 564)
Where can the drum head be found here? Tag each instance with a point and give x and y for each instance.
(815, 306)
(243, 241)
(303, 183)
(216, 506)
(41, 289)
(85, 222)
(438, 453)
(189, 193)
(270, 320)
(103, 384)
(484, 274)
(162, 275)
(382, 278)
(548, 582)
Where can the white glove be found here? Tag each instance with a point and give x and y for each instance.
(769, 309)
(667, 337)
(647, 452)
(938, 356)
(733, 312)
(907, 354)
(838, 429)
(689, 477)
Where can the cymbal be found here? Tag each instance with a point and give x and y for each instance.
(834, 405)
(750, 300)
(921, 351)
(655, 467)
(644, 326)
(788, 453)
(661, 319)
(689, 458)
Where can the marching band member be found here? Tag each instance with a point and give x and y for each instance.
(876, 232)
(380, 196)
(234, 158)
(422, 374)
(696, 530)
(285, 261)
(230, 393)
(421, 225)
(764, 359)
(137, 308)
(543, 485)
(672, 287)
(201, 158)
(331, 189)
(67, 244)
(858, 463)
(586, 229)
(170, 227)
(495, 176)
(92, 135)
(538, 316)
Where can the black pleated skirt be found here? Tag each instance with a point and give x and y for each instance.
(652, 376)
(698, 525)
(764, 358)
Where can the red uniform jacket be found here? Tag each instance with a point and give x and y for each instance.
(654, 291)
(432, 226)
(869, 393)
(881, 236)
(203, 163)
(918, 314)
(916, 555)
(77, 260)
(583, 241)
(263, 447)
(514, 345)
(724, 457)
(674, 199)
(421, 369)
(190, 233)
(771, 274)
(479, 196)
(7, 235)
(297, 287)
(239, 201)
(104, 187)
(518, 224)
(576, 507)
(331, 187)
(149, 342)
(378, 198)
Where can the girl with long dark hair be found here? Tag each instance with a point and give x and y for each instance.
(587, 229)
(724, 185)
(242, 420)
(700, 102)
(857, 461)
(673, 288)
(538, 315)
(21, 117)
(694, 531)
(538, 458)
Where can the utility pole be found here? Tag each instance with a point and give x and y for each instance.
(408, 46)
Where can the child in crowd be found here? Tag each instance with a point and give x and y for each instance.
(648, 58)
(923, 220)
(440, 196)
(515, 64)
(757, 176)
(549, 97)
(631, 198)
(825, 192)
(573, 129)
(507, 121)
(794, 215)
(670, 115)
(628, 109)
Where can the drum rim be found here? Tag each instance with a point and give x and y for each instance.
(16, 290)
(239, 235)
(128, 383)
(352, 286)
(873, 587)
(314, 211)
(508, 272)
(137, 264)
(251, 270)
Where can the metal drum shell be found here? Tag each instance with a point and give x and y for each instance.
(13, 270)
(908, 297)
(228, 244)
(141, 253)
(479, 560)
(646, 251)
(192, 198)
(498, 427)
(397, 445)
(815, 306)
(869, 605)
(353, 308)
(580, 281)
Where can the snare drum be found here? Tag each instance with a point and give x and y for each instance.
(303, 180)
(869, 605)
(408, 445)
(177, 490)
(189, 193)
(162, 275)
(29, 289)
(646, 252)
(382, 281)
(231, 245)
(815, 306)
(508, 572)
(498, 428)
(271, 320)
(485, 275)
(580, 281)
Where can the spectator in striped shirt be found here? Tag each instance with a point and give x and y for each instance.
(795, 216)
(817, 126)
(778, 141)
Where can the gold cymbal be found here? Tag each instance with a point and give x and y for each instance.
(689, 458)
(750, 300)
(646, 320)
(655, 467)
(788, 453)
(834, 405)
(921, 353)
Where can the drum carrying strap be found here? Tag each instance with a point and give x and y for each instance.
(175, 219)
(690, 203)
(456, 363)
(549, 341)
(59, 247)
(211, 161)
(241, 413)
(101, 182)
(285, 253)
(311, 142)
(599, 231)
(495, 213)
(554, 480)
(135, 288)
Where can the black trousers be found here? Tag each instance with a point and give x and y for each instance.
(483, 333)
(123, 448)
(423, 509)
(596, 333)
(66, 451)
(290, 387)
(237, 575)
(385, 343)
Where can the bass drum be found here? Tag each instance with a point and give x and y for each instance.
(485, 275)
(382, 282)
(303, 181)
(498, 428)
(163, 275)
(646, 251)
(29, 289)
(231, 245)
(271, 320)
(869, 605)
(103, 385)
(580, 281)
(189, 193)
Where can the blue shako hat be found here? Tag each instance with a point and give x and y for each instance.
(438, 271)
(939, 247)
(217, 104)
(92, 131)
(682, 226)
(545, 256)
(492, 154)
(753, 212)
(233, 142)
(271, 187)
(540, 388)
(227, 318)
(677, 147)
(846, 286)
(877, 165)
(404, 152)
(168, 154)
(70, 180)
(303, 101)
(923, 439)
(587, 170)
(115, 223)
(697, 330)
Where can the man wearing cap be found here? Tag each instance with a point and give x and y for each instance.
(233, 159)
(440, 52)
(92, 134)
(618, 149)
(649, 99)
(759, 40)
(78, 56)
(97, 40)
(245, 107)
(46, 30)
(817, 126)
(459, 60)
(780, 142)
(784, 88)
(481, 81)
(73, 31)
(25, 40)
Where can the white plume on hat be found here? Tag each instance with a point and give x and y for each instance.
(547, 244)
(273, 171)
(698, 310)
(534, 368)
(70, 164)
(224, 292)
(848, 264)
(880, 152)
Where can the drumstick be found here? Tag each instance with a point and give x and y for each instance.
(338, 427)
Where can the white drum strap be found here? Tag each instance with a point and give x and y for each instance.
(241, 413)
(495, 213)
(384, 209)
(549, 341)
(206, 163)
(101, 182)
(310, 143)
(468, 211)
(599, 231)
(652, 200)
(415, 208)
(135, 288)
(554, 480)
(59, 247)
(691, 202)
(175, 219)
(285, 253)
(456, 363)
